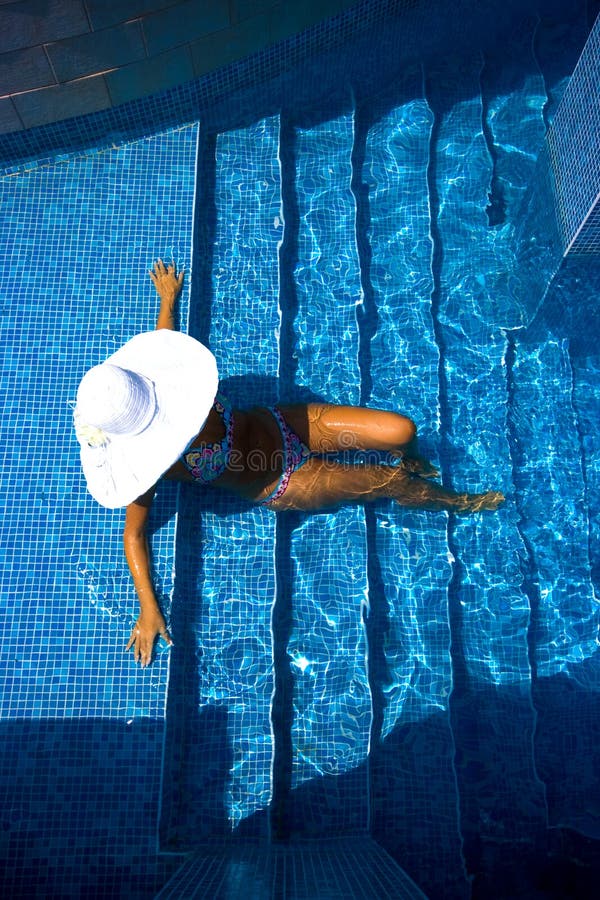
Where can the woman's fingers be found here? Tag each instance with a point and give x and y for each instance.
(137, 643)
(145, 655)
(131, 640)
(134, 642)
(159, 272)
(143, 645)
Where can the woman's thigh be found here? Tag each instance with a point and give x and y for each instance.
(329, 428)
(315, 485)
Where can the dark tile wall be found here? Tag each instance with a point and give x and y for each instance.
(61, 58)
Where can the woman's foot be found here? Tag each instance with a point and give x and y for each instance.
(421, 494)
(490, 500)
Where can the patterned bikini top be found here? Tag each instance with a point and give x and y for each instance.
(207, 462)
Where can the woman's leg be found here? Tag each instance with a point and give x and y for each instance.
(320, 483)
(327, 428)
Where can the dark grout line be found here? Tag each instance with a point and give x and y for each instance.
(282, 711)
(496, 208)
(205, 219)
(459, 672)
(376, 621)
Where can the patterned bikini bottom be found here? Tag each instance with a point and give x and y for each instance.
(295, 454)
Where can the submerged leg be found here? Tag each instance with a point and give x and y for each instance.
(320, 483)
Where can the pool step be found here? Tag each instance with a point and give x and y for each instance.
(580, 275)
(353, 260)
(554, 520)
(350, 867)
(554, 404)
(225, 579)
(584, 354)
(492, 713)
(514, 98)
(410, 566)
(322, 556)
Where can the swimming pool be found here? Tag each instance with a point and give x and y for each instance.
(360, 672)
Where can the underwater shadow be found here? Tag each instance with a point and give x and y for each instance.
(198, 753)
(324, 78)
(418, 810)
(78, 801)
(73, 792)
(164, 505)
(251, 390)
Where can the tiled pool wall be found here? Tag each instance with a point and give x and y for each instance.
(573, 143)
(82, 725)
(83, 728)
(266, 37)
(560, 216)
(563, 213)
(235, 93)
(64, 58)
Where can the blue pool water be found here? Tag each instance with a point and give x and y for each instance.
(427, 681)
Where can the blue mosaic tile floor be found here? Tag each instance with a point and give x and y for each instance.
(83, 727)
(427, 680)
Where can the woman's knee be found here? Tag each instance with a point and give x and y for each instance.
(407, 429)
(397, 430)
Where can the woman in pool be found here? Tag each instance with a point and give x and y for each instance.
(152, 410)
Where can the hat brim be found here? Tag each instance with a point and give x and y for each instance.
(185, 378)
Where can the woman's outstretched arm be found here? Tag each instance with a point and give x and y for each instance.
(151, 622)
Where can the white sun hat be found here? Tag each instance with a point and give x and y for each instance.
(138, 411)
